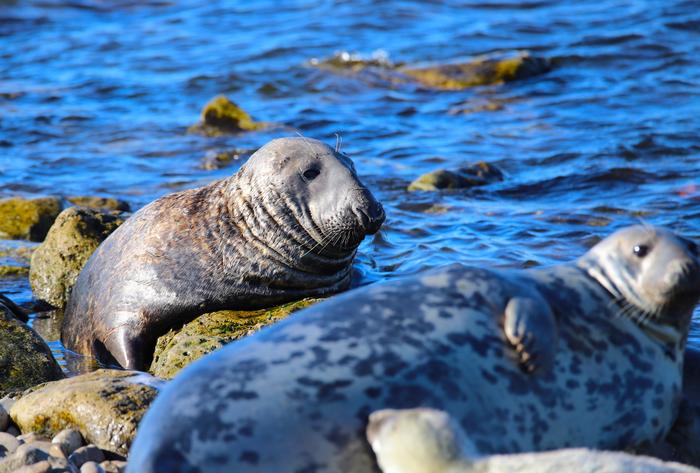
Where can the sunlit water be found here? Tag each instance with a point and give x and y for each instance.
(96, 96)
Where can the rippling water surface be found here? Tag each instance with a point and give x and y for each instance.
(96, 96)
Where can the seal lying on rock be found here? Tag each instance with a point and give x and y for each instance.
(427, 441)
(286, 226)
(586, 354)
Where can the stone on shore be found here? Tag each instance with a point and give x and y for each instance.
(28, 219)
(177, 349)
(477, 174)
(99, 203)
(25, 359)
(75, 235)
(105, 406)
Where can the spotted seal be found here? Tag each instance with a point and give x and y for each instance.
(284, 227)
(586, 354)
(425, 440)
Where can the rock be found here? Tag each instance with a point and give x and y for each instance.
(28, 219)
(99, 203)
(41, 467)
(477, 174)
(69, 440)
(25, 359)
(91, 467)
(27, 454)
(175, 350)
(221, 159)
(8, 444)
(221, 116)
(105, 406)
(482, 70)
(14, 431)
(114, 466)
(12, 309)
(86, 454)
(14, 259)
(4, 419)
(30, 437)
(71, 240)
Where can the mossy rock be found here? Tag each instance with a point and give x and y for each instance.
(221, 116)
(483, 70)
(28, 219)
(25, 359)
(75, 235)
(347, 62)
(14, 260)
(477, 174)
(177, 349)
(106, 406)
(100, 203)
(221, 159)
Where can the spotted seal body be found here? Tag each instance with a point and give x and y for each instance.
(426, 440)
(296, 396)
(284, 227)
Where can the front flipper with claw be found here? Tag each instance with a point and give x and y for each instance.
(531, 328)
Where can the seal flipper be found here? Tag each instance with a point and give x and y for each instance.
(530, 327)
(123, 349)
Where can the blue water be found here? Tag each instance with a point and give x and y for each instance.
(96, 96)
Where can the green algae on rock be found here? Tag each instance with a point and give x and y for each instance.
(105, 406)
(483, 70)
(477, 174)
(25, 359)
(74, 236)
(221, 116)
(177, 349)
(100, 203)
(28, 219)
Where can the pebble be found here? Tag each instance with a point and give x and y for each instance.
(40, 467)
(89, 453)
(91, 467)
(30, 437)
(14, 431)
(114, 466)
(8, 444)
(69, 440)
(4, 419)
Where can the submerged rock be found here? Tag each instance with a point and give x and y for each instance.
(477, 174)
(74, 236)
(491, 69)
(28, 219)
(25, 359)
(105, 406)
(221, 116)
(177, 349)
(483, 70)
(221, 159)
(103, 203)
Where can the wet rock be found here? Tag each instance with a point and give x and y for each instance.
(114, 466)
(25, 359)
(26, 454)
(87, 454)
(30, 437)
(221, 116)
(482, 70)
(477, 174)
(91, 467)
(105, 406)
(41, 467)
(175, 350)
(72, 239)
(8, 444)
(4, 419)
(28, 219)
(99, 203)
(69, 440)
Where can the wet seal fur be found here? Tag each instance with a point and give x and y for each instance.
(427, 440)
(286, 226)
(296, 396)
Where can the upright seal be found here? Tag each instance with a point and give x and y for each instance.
(585, 354)
(284, 227)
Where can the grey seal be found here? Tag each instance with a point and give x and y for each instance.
(473, 342)
(425, 440)
(286, 226)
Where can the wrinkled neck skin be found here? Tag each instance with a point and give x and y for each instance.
(284, 233)
(669, 324)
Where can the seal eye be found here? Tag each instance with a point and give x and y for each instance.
(640, 250)
(311, 174)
